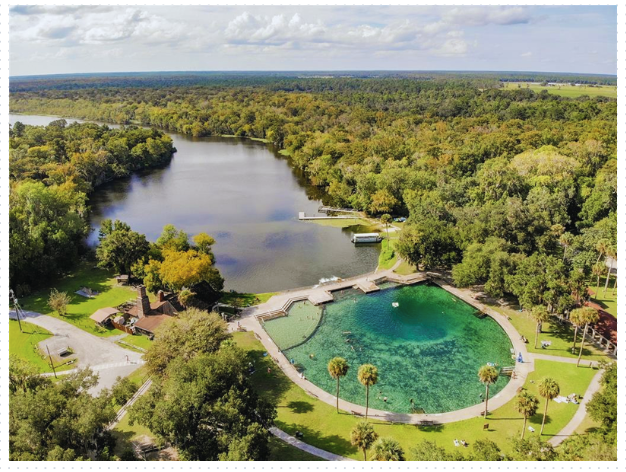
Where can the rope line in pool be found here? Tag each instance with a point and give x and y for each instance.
(428, 349)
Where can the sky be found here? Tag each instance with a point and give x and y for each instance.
(83, 39)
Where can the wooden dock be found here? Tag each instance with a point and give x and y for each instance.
(367, 286)
(303, 217)
(319, 297)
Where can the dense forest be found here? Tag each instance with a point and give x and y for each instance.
(512, 188)
(52, 171)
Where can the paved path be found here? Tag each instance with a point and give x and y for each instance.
(567, 360)
(122, 413)
(91, 350)
(329, 456)
(579, 416)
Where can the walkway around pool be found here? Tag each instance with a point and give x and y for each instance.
(281, 302)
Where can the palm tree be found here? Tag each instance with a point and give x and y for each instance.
(487, 375)
(566, 240)
(387, 449)
(386, 219)
(526, 404)
(576, 317)
(598, 271)
(548, 389)
(612, 254)
(337, 368)
(540, 315)
(588, 316)
(363, 436)
(601, 247)
(368, 376)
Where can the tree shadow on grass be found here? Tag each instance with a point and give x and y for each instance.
(328, 442)
(272, 385)
(300, 407)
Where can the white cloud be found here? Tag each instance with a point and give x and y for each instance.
(526, 54)
(485, 15)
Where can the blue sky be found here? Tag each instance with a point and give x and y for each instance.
(72, 39)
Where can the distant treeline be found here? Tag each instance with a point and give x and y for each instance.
(291, 80)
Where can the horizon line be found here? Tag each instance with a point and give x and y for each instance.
(235, 71)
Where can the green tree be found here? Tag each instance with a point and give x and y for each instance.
(368, 376)
(191, 332)
(386, 219)
(533, 449)
(363, 436)
(612, 256)
(59, 420)
(387, 449)
(120, 247)
(123, 389)
(58, 302)
(174, 239)
(337, 368)
(486, 450)
(540, 315)
(487, 375)
(429, 451)
(548, 389)
(526, 404)
(598, 270)
(603, 405)
(206, 406)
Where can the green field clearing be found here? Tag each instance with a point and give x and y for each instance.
(323, 427)
(81, 308)
(570, 91)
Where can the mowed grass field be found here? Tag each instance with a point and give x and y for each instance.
(570, 91)
(323, 427)
(24, 344)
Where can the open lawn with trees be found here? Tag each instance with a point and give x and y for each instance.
(323, 427)
(81, 308)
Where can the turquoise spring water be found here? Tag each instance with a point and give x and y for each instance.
(427, 349)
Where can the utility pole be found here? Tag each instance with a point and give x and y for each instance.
(51, 363)
(17, 308)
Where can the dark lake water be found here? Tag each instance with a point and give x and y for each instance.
(245, 195)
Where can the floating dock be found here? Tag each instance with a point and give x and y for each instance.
(302, 216)
(367, 286)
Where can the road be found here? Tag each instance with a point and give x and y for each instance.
(107, 358)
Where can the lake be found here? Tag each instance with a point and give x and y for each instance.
(245, 195)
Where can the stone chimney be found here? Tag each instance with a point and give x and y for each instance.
(143, 303)
(161, 296)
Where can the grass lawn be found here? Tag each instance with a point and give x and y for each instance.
(24, 345)
(285, 152)
(281, 451)
(567, 90)
(81, 308)
(325, 428)
(245, 299)
(588, 425)
(139, 376)
(387, 257)
(405, 268)
(561, 336)
(607, 300)
(345, 223)
(140, 341)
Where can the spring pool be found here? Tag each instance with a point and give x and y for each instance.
(427, 349)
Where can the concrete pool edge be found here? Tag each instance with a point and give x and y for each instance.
(283, 300)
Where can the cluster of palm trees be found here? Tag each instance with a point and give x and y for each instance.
(367, 375)
(579, 317)
(364, 437)
(526, 403)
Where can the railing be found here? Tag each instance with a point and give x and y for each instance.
(596, 338)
